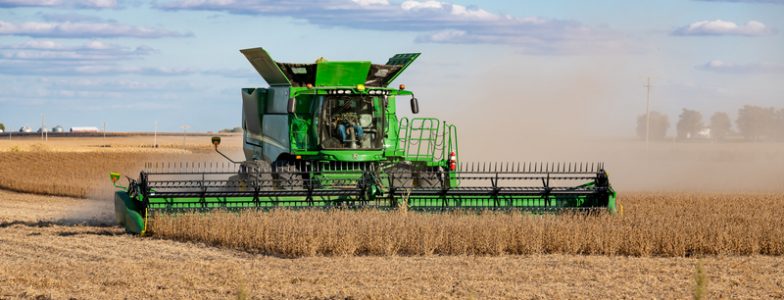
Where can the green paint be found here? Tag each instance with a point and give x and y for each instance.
(128, 213)
(299, 137)
(343, 73)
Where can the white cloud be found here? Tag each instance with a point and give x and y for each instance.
(435, 21)
(720, 66)
(112, 69)
(459, 10)
(71, 17)
(443, 36)
(21, 67)
(83, 30)
(417, 5)
(48, 57)
(52, 50)
(93, 4)
(371, 2)
(721, 27)
(93, 58)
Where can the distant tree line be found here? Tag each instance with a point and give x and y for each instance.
(754, 123)
(2, 126)
(231, 130)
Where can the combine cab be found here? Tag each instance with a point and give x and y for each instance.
(327, 135)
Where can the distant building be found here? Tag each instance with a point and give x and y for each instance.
(43, 129)
(25, 129)
(84, 129)
(1, 130)
(58, 128)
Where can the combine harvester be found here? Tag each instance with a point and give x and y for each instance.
(327, 135)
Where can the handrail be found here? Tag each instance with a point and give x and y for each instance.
(426, 139)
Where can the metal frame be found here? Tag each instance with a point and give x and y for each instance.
(525, 186)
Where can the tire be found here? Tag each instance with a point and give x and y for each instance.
(401, 176)
(260, 173)
(429, 178)
(252, 174)
(287, 176)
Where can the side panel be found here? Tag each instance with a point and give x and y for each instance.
(391, 139)
(128, 214)
(278, 100)
(276, 136)
(253, 102)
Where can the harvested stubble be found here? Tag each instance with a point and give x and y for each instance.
(666, 225)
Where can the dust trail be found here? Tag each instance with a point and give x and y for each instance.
(571, 114)
(89, 212)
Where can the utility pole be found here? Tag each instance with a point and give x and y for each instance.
(104, 132)
(647, 112)
(43, 129)
(155, 137)
(184, 132)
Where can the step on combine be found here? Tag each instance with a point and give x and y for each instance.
(327, 135)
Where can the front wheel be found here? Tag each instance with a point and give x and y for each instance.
(287, 176)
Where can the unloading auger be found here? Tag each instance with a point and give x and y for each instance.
(327, 135)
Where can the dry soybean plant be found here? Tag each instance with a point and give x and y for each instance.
(73, 174)
(666, 224)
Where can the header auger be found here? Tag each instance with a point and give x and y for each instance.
(327, 135)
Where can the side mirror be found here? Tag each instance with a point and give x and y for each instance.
(216, 141)
(114, 176)
(292, 106)
(414, 105)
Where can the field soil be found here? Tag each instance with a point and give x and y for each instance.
(51, 248)
(56, 247)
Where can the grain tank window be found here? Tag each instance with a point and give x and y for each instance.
(350, 122)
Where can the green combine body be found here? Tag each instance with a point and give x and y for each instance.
(327, 135)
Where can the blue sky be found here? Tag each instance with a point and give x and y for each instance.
(484, 64)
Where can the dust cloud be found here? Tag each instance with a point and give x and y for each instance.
(552, 117)
(89, 212)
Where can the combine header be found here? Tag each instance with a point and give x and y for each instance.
(327, 135)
